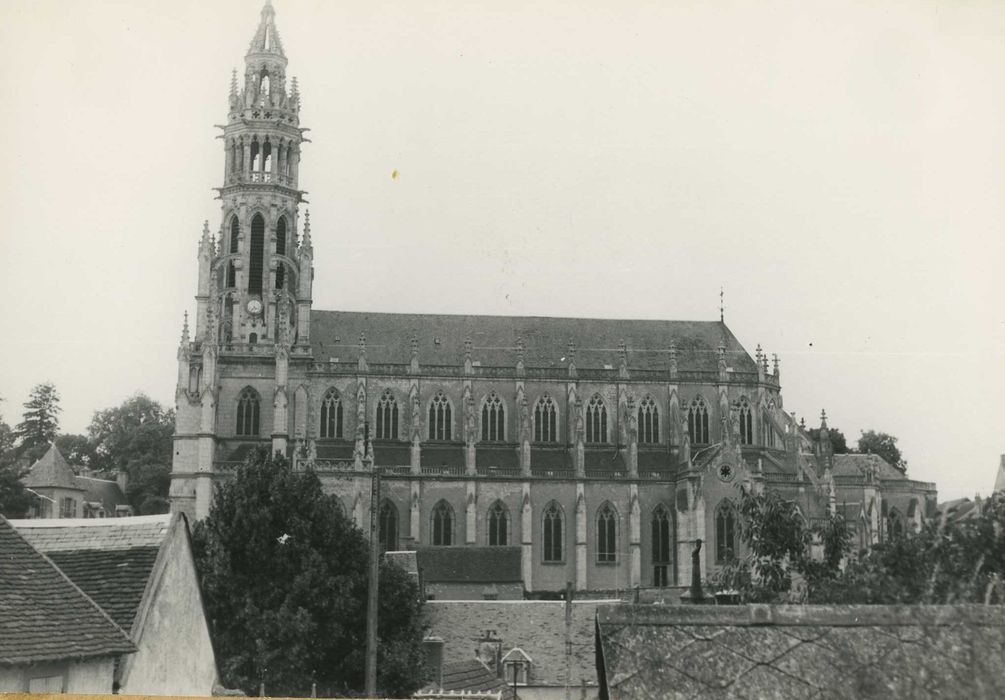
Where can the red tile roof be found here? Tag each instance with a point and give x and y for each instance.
(43, 615)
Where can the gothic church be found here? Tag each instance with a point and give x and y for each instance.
(603, 449)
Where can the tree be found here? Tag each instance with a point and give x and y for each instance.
(136, 438)
(78, 450)
(838, 441)
(15, 500)
(946, 561)
(41, 419)
(284, 575)
(779, 542)
(883, 445)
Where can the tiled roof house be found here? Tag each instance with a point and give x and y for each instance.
(60, 493)
(548, 644)
(141, 572)
(761, 651)
(471, 573)
(53, 637)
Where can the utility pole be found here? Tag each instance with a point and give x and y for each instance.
(371, 592)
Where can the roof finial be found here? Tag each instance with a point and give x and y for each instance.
(233, 82)
(184, 329)
(307, 227)
(722, 305)
(823, 418)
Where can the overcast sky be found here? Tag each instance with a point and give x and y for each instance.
(838, 168)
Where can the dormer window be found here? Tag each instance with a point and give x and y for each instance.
(516, 667)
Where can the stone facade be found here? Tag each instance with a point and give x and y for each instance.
(603, 448)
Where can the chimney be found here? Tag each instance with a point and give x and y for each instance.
(122, 479)
(432, 647)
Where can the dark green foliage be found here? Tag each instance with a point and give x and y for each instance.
(40, 422)
(284, 575)
(14, 498)
(78, 451)
(136, 437)
(945, 562)
(838, 441)
(883, 445)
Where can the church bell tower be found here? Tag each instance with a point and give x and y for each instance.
(255, 278)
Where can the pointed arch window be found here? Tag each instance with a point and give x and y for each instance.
(388, 519)
(257, 255)
(248, 409)
(439, 417)
(552, 539)
(596, 420)
(607, 534)
(493, 419)
(387, 417)
(662, 546)
(649, 422)
(235, 235)
(498, 525)
(697, 422)
(331, 415)
(545, 420)
(895, 524)
(443, 524)
(281, 250)
(727, 533)
(746, 423)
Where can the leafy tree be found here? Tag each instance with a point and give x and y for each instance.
(946, 561)
(41, 419)
(136, 438)
(778, 542)
(883, 445)
(838, 440)
(78, 450)
(14, 498)
(284, 574)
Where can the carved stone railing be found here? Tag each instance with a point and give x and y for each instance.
(443, 470)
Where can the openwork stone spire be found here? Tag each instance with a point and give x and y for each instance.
(266, 39)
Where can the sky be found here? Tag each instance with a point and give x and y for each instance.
(836, 168)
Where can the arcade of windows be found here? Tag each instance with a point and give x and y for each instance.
(607, 535)
(248, 411)
(596, 420)
(697, 422)
(727, 534)
(498, 523)
(387, 417)
(545, 420)
(493, 419)
(439, 417)
(443, 525)
(649, 422)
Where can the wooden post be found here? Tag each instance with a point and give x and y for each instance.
(372, 587)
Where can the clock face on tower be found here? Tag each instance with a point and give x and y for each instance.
(254, 307)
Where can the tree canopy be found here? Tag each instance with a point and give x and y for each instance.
(946, 561)
(136, 437)
(884, 445)
(40, 423)
(14, 498)
(284, 573)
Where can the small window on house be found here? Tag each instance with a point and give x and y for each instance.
(697, 422)
(662, 545)
(67, 507)
(552, 525)
(607, 534)
(439, 417)
(387, 417)
(331, 415)
(746, 423)
(649, 422)
(726, 533)
(545, 420)
(493, 419)
(516, 667)
(498, 525)
(443, 525)
(248, 407)
(596, 420)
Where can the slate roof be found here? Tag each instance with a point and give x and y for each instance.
(801, 651)
(103, 491)
(860, 464)
(43, 615)
(464, 564)
(51, 470)
(546, 340)
(110, 559)
(535, 626)
(470, 675)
